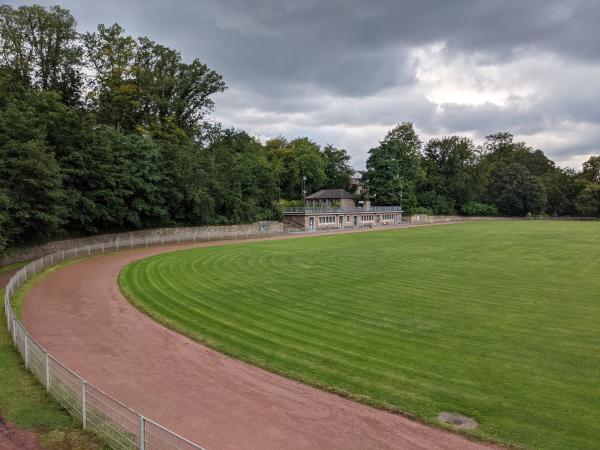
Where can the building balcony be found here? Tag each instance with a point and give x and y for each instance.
(328, 210)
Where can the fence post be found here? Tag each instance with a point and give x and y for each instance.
(47, 372)
(89, 251)
(26, 350)
(83, 404)
(52, 259)
(131, 241)
(142, 433)
(102, 246)
(14, 331)
(63, 252)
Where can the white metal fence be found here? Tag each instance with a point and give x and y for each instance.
(120, 426)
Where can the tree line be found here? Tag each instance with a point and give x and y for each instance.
(452, 175)
(103, 131)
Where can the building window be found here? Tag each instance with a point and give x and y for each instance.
(327, 219)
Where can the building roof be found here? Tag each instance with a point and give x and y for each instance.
(330, 194)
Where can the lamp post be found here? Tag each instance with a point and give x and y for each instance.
(303, 188)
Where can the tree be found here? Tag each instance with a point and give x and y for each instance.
(500, 150)
(562, 187)
(588, 200)
(394, 166)
(4, 218)
(591, 169)
(110, 55)
(29, 174)
(294, 160)
(243, 185)
(337, 167)
(516, 192)
(450, 166)
(141, 85)
(39, 48)
(172, 91)
(115, 180)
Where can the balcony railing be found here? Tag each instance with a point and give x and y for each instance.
(315, 210)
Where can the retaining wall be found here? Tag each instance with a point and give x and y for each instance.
(257, 228)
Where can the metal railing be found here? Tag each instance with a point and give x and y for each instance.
(120, 426)
(359, 210)
(566, 218)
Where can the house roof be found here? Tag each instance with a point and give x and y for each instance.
(330, 194)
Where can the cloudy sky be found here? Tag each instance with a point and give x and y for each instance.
(345, 71)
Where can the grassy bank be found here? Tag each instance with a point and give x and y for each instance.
(497, 321)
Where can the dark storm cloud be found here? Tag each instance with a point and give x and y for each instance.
(342, 69)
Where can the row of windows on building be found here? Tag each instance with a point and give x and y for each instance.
(363, 218)
(327, 219)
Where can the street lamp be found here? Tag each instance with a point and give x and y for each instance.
(303, 188)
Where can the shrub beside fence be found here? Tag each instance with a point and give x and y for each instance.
(119, 425)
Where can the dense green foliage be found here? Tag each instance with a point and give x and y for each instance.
(105, 131)
(498, 321)
(479, 209)
(451, 174)
(394, 169)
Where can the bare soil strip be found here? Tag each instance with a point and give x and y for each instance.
(79, 314)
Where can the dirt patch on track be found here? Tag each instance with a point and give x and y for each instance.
(79, 314)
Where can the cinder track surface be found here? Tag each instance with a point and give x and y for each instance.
(79, 314)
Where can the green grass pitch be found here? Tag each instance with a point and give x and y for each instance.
(499, 321)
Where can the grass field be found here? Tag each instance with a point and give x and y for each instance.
(499, 321)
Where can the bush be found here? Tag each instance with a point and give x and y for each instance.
(479, 209)
(283, 203)
(421, 210)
